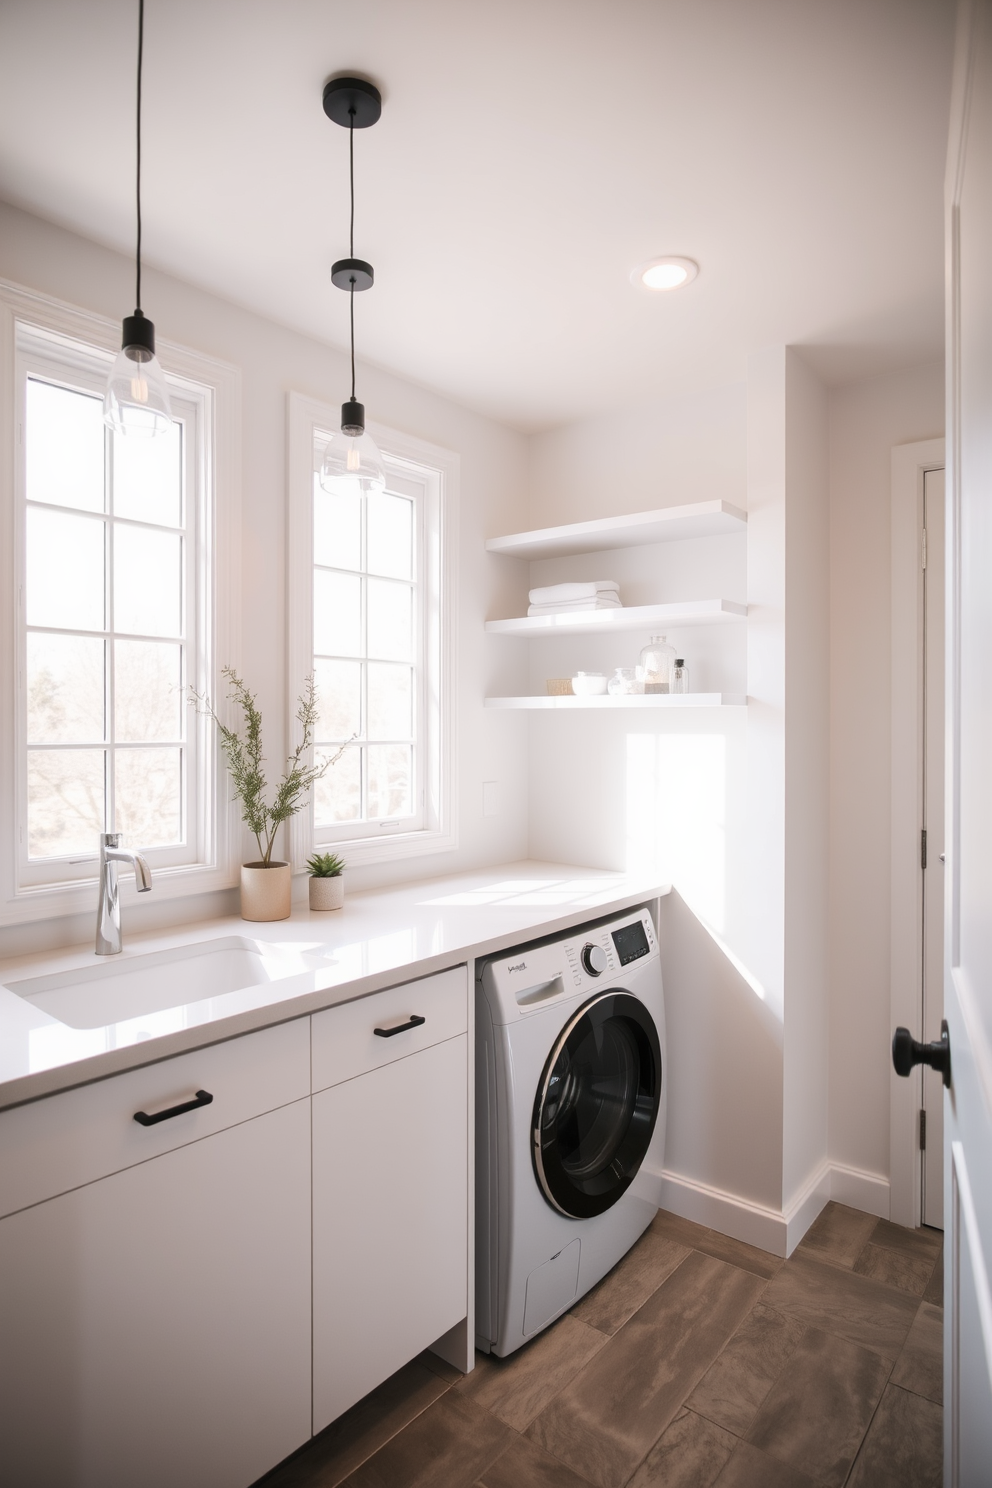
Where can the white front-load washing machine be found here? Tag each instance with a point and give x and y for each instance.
(570, 1119)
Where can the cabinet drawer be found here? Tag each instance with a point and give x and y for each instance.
(344, 1041)
(58, 1143)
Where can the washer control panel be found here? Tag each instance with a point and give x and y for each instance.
(536, 975)
(593, 958)
(631, 942)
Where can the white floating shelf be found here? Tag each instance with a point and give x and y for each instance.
(657, 618)
(668, 524)
(653, 700)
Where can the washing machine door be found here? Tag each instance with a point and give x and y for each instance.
(597, 1104)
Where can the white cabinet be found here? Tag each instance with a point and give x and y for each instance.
(155, 1324)
(182, 1302)
(390, 1184)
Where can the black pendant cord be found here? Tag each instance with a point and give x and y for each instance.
(141, 45)
(351, 297)
(351, 238)
(351, 177)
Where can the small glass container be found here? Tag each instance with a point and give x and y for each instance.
(657, 663)
(680, 676)
(623, 683)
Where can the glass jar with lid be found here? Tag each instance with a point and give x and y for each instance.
(623, 683)
(657, 663)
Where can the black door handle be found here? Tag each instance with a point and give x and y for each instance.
(201, 1098)
(415, 1022)
(906, 1052)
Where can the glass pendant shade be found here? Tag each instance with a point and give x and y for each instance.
(352, 462)
(137, 399)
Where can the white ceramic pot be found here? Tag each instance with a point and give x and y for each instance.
(327, 893)
(266, 891)
(589, 684)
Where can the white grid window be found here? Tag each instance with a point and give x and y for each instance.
(120, 581)
(106, 628)
(368, 666)
(370, 615)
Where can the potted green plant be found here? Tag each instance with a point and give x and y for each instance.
(266, 884)
(326, 882)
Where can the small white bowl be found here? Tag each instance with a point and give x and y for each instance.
(589, 684)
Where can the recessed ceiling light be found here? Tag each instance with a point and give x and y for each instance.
(665, 273)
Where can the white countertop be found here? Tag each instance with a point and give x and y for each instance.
(379, 938)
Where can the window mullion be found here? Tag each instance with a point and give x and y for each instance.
(109, 660)
(363, 753)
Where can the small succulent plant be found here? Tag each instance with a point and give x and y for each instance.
(325, 865)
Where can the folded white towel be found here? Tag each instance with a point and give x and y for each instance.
(564, 593)
(601, 602)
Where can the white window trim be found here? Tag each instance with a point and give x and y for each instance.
(218, 386)
(439, 832)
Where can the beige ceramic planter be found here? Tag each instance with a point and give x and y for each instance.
(266, 892)
(327, 893)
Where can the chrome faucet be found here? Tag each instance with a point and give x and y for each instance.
(108, 915)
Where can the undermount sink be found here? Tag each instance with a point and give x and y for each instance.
(139, 985)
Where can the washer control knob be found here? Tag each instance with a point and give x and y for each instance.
(593, 959)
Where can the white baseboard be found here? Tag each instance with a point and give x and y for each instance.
(778, 1231)
(806, 1204)
(729, 1213)
(866, 1191)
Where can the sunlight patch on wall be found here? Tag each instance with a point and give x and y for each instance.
(676, 816)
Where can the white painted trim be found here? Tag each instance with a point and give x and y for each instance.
(910, 462)
(755, 1224)
(966, 1219)
(440, 832)
(806, 1204)
(778, 1231)
(218, 385)
(869, 1192)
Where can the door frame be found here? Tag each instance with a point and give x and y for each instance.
(910, 462)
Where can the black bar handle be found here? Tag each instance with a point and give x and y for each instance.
(907, 1051)
(201, 1098)
(415, 1022)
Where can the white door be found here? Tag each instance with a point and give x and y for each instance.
(158, 1333)
(390, 1220)
(968, 923)
(932, 855)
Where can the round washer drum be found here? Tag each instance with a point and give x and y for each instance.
(597, 1104)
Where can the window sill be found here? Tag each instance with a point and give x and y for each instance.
(53, 901)
(363, 851)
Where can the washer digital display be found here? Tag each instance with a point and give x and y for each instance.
(630, 942)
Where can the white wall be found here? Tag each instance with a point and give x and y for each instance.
(866, 420)
(660, 454)
(787, 757)
(671, 792)
(274, 360)
(807, 782)
(731, 806)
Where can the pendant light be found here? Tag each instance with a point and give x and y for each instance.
(352, 463)
(137, 399)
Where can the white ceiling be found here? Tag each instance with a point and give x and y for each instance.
(530, 153)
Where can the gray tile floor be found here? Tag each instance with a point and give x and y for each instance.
(697, 1362)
